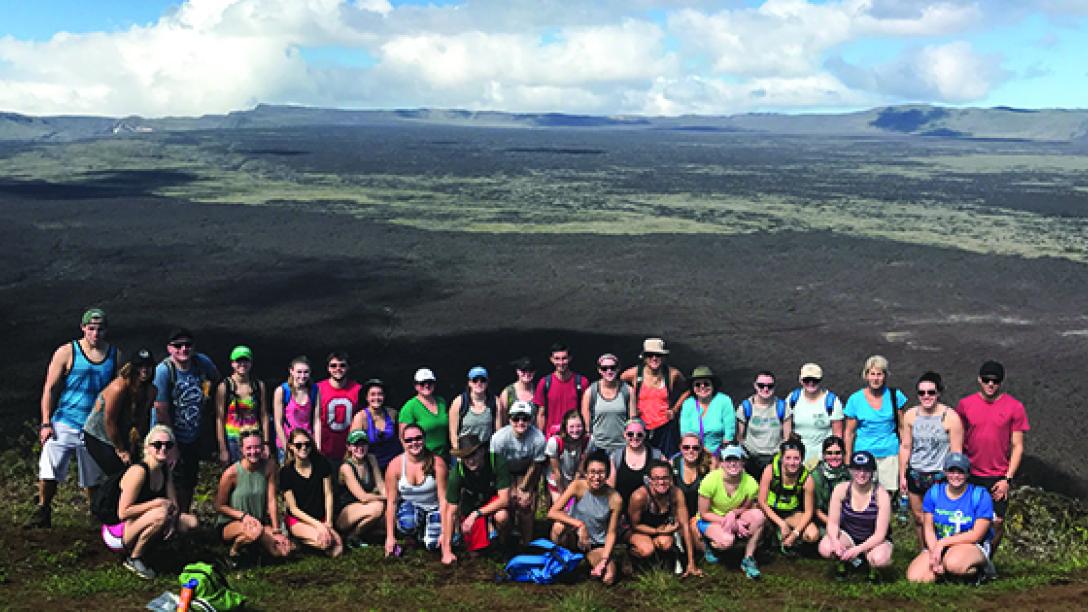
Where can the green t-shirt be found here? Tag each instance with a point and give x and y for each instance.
(471, 490)
(713, 488)
(436, 427)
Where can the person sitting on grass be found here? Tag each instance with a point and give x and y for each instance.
(787, 496)
(859, 517)
(828, 473)
(728, 510)
(957, 525)
(246, 502)
(658, 514)
(592, 523)
(360, 490)
(148, 504)
(415, 487)
(306, 481)
(477, 493)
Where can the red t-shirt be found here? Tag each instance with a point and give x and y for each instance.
(987, 431)
(337, 408)
(563, 395)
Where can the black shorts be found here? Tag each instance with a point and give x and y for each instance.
(987, 482)
(920, 482)
(188, 466)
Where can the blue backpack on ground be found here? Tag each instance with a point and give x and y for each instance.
(543, 568)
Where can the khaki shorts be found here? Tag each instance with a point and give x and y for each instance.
(887, 472)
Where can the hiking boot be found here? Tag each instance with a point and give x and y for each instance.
(750, 568)
(840, 571)
(42, 518)
(136, 566)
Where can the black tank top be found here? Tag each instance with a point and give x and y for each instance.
(146, 493)
(690, 491)
(628, 480)
(657, 519)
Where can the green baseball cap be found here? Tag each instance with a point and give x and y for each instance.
(241, 352)
(93, 314)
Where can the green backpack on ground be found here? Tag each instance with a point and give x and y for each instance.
(211, 587)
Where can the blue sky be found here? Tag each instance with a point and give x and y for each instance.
(156, 57)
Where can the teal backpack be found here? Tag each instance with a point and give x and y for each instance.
(212, 591)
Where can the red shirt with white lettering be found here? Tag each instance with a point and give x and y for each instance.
(337, 408)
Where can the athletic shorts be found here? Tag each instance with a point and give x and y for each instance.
(920, 482)
(987, 482)
(887, 472)
(188, 466)
(850, 538)
(57, 454)
(114, 536)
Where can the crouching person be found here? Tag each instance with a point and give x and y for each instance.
(659, 518)
(593, 520)
(956, 522)
(858, 519)
(477, 493)
(246, 502)
(415, 485)
(360, 491)
(728, 510)
(148, 504)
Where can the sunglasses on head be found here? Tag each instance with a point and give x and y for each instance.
(159, 445)
(413, 439)
(760, 385)
(926, 392)
(183, 344)
(300, 445)
(808, 380)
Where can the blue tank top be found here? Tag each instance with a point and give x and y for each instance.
(84, 382)
(384, 444)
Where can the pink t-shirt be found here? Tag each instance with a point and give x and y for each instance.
(563, 395)
(987, 431)
(338, 406)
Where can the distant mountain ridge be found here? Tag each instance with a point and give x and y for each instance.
(1004, 123)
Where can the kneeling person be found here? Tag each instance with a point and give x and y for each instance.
(478, 491)
(658, 514)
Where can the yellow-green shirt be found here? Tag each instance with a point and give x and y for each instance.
(721, 502)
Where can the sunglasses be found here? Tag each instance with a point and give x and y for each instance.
(690, 447)
(413, 439)
(811, 381)
(765, 385)
(833, 453)
(519, 417)
(926, 392)
(301, 445)
(426, 383)
(988, 380)
(181, 345)
(634, 435)
(159, 445)
(699, 384)
(338, 366)
(607, 368)
(478, 379)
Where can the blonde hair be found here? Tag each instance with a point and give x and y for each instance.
(160, 428)
(875, 361)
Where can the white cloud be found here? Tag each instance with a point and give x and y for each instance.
(593, 56)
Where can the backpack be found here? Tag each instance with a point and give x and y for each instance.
(896, 407)
(466, 404)
(107, 496)
(625, 391)
(779, 405)
(542, 568)
(197, 368)
(230, 394)
(211, 591)
(829, 401)
(287, 395)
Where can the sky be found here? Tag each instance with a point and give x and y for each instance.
(604, 57)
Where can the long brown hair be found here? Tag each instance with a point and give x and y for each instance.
(703, 463)
(290, 446)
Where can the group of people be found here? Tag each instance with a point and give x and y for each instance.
(642, 456)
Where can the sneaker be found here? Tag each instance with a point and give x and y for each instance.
(709, 556)
(42, 518)
(750, 568)
(136, 566)
(840, 571)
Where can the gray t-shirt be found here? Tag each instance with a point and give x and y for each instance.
(520, 453)
(482, 424)
(764, 430)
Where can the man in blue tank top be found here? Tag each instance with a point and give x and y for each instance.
(78, 371)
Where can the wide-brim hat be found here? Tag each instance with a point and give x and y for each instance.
(654, 345)
(703, 372)
(466, 445)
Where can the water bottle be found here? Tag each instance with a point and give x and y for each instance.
(185, 600)
(903, 513)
